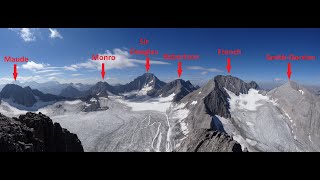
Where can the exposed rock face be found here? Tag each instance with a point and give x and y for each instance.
(203, 104)
(36, 133)
(23, 96)
(205, 140)
(198, 116)
(217, 101)
(179, 87)
(303, 109)
(93, 104)
(234, 84)
(140, 82)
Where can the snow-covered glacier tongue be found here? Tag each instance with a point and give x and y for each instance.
(124, 126)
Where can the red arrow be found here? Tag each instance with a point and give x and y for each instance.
(179, 68)
(228, 65)
(147, 64)
(102, 71)
(15, 72)
(289, 71)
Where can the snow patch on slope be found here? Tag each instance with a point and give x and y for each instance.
(250, 101)
(158, 104)
(301, 91)
(180, 113)
(8, 110)
(73, 102)
(194, 102)
(145, 90)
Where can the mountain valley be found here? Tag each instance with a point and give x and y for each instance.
(147, 114)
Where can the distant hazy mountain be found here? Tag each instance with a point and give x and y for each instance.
(26, 96)
(53, 87)
(80, 86)
(179, 87)
(71, 92)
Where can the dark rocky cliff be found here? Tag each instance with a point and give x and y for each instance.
(36, 133)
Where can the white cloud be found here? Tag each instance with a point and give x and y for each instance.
(6, 80)
(76, 74)
(204, 69)
(27, 34)
(47, 70)
(54, 34)
(33, 66)
(278, 79)
(54, 74)
(28, 78)
(122, 61)
(52, 78)
(151, 62)
(71, 68)
(204, 72)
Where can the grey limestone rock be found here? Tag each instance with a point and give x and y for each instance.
(205, 140)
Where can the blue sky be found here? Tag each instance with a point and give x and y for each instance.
(64, 55)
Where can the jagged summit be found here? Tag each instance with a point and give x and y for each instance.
(178, 87)
(289, 90)
(101, 89)
(148, 74)
(234, 84)
(294, 85)
(146, 79)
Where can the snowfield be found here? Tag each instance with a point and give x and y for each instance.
(128, 125)
(157, 104)
(250, 101)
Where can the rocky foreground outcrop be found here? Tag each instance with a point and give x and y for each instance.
(206, 140)
(36, 133)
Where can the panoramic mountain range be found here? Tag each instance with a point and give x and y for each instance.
(148, 83)
(147, 114)
(51, 87)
